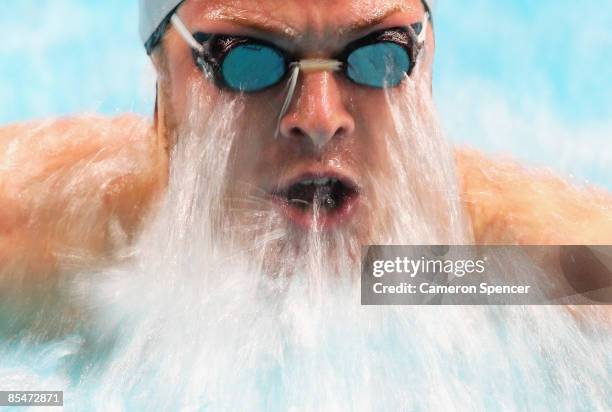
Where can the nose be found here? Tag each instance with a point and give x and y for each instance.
(317, 112)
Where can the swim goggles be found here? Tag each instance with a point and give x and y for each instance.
(243, 64)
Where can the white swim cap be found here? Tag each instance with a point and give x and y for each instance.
(155, 15)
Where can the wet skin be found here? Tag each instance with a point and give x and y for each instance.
(327, 133)
(326, 129)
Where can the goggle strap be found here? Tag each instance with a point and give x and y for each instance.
(307, 66)
(185, 33)
(423, 34)
(291, 85)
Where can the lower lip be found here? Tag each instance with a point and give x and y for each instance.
(326, 220)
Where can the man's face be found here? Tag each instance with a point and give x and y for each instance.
(325, 169)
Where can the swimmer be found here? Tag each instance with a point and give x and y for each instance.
(312, 98)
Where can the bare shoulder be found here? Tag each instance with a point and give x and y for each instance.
(509, 203)
(64, 182)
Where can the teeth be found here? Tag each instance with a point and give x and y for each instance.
(323, 181)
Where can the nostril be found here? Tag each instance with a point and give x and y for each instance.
(297, 132)
(318, 138)
(341, 132)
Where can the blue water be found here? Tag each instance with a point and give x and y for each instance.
(69, 56)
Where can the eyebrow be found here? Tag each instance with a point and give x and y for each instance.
(264, 25)
(370, 21)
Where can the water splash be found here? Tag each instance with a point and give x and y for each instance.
(218, 308)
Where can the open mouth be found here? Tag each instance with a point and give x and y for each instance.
(321, 200)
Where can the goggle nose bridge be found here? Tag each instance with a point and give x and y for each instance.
(307, 66)
(315, 65)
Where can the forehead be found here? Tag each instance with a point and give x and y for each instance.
(296, 18)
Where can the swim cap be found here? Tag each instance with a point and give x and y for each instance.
(154, 18)
(155, 15)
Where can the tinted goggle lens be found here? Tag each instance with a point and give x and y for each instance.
(254, 67)
(380, 65)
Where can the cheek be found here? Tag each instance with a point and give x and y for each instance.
(373, 126)
(255, 152)
(185, 80)
(191, 90)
